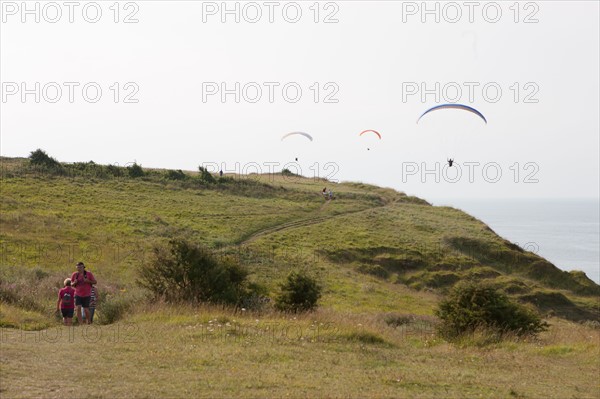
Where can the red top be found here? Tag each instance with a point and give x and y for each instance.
(64, 304)
(82, 289)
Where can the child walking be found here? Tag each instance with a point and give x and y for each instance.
(66, 302)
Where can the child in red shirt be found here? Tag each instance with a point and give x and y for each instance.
(66, 302)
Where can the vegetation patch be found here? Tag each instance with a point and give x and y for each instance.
(557, 304)
(364, 337)
(557, 350)
(373, 270)
(433, 280)
(184, 271)
(300, 292)
(471, 306)
(545, 272)
(12, 316)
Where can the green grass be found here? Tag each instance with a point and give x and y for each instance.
(557, 350)
(17, 317)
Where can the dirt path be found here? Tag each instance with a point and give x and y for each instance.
(303, 222)
(286, 226)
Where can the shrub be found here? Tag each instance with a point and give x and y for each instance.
(256, 298)
(206, 176)
(176, 175)
(365, 337)
(135, 170)
(112, 309)
(39, 158)
(226, 180)
(188, 272)
(471, 306)
(300, 292)
(39, 273)
(394, 320)
(87, 169)
(16, 288)
(114, 170)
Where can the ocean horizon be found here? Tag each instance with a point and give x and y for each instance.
(564, 231)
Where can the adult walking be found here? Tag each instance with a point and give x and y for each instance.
(82, 280)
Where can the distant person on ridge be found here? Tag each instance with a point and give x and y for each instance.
(83, 280)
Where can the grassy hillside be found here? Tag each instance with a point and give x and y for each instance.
(374, 249)
(380, 255)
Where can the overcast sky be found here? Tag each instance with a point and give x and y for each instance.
(531, 69)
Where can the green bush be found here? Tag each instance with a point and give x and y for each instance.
(115, 171)
(395, 320)
(471, 306)
(112, 309)
(364, 337)
(226, 180)
(184, 271)
(40, 159)
(206, 176)
(135, 170)
(176, 175)
(256, 298)
(300, 292)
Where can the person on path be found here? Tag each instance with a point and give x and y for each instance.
(66, 302)
(93, 299)
(82, 280)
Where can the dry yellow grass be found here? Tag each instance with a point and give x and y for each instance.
(210, 352)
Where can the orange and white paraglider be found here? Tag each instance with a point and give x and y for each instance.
(370, 132)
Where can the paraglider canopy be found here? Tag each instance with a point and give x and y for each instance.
(370, 131)
(308, 136)
(454, 106)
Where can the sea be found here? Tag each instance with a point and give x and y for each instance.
(565, 232)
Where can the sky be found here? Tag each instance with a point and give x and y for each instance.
(180, 84)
